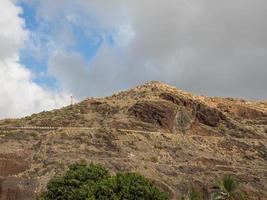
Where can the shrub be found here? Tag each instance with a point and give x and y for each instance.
(94, 182)
(193, 195)
(228, 189)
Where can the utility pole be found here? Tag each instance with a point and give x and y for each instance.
(71, 100)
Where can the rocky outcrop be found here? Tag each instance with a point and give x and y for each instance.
(208, 115)
(205, 114)
(175, 113)
(160, 113)
(12, 164)
(13, 188)
(178, 100)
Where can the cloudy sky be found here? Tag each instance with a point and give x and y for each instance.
(51, 49)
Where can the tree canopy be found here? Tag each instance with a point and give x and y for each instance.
(93, 182)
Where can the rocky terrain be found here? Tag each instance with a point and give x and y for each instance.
(176, 139)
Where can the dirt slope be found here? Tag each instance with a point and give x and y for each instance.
(182, 141)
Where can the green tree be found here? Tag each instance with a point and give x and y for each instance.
(68, 186)
(93, 182)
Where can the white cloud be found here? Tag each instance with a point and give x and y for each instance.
(12, 34)
(19, 94)
(70, 70)
(123, 36)
(205, 46)
(83, 79)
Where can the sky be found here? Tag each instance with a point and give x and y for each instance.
(52, 49)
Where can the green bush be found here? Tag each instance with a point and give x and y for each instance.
(228, 190)
(94, 182)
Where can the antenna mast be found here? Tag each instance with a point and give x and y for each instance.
(71, 100)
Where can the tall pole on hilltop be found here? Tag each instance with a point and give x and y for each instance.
(71, 100)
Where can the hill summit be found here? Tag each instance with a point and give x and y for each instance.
(174, 138)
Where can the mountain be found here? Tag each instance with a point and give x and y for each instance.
(172, 137)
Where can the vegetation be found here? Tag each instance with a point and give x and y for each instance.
(228, 189)
(94, 182)
(194, 195)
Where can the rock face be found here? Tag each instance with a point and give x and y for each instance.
(168, 116)
(175, 113)
(179, 141)
(205, 114)
(209, 116)
(178, 100)
(13, 188)
(12, 164)
(160, 113)
(17, 189)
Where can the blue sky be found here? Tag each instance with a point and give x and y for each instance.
(86, 41)
(29, 15)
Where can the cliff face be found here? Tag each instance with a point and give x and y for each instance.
(172, 137)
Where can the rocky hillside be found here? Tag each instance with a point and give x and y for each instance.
(176, 139)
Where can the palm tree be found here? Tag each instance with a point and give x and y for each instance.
(228, 190)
